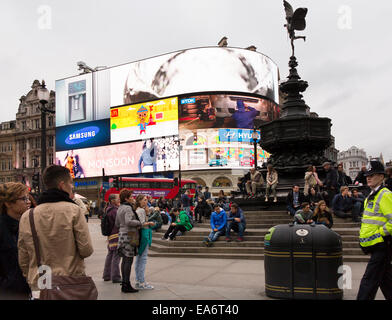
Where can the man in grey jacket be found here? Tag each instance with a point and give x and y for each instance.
(304, 215)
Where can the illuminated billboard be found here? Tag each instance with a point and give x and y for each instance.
(114, 117)
(225, 111)
(151, 155)
(194, 70)
(83, 98)
(213, 149)
(83, 135)
(145, 120)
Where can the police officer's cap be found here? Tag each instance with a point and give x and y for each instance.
(374, 167)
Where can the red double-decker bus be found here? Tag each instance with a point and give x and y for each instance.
(155, 187)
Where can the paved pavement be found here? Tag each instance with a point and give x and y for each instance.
(194, 279)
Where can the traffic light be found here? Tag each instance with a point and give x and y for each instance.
(35, 180)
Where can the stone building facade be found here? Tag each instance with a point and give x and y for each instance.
(25, 138)
(7, 151)
(353, 160)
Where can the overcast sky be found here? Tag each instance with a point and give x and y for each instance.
(346, 58)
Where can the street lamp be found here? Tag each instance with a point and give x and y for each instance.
(43, 97)
(255, 136)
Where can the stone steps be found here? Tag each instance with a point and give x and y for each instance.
(258, 223)
(253, 237)
(198, 242)
(269, 225)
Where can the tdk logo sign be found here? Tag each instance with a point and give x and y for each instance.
(82, 135)
(189, 100)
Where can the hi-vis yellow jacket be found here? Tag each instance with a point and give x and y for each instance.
(377, 218)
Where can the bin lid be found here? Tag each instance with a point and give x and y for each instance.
(303, 236)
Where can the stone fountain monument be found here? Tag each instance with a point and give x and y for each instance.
(297, 139)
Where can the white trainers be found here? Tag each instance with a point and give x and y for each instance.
(144, 286)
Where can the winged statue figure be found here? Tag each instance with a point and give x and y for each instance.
(295, 21)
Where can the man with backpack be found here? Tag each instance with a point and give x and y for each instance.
(112, 263)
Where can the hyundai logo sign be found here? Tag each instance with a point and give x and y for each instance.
(82, 135)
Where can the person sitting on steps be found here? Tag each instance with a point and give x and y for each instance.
(218, 225)
(271, 183)
(256, 180)
(294, 199)
(181, 223)
(304, 215)
(236, 221)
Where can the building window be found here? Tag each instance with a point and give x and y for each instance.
(50, 122)
(10, 164)
(23, 125)
(50, 158)
(23, 145)
(37, 126)
(221, 182)
(38, 142)
(3, 166)
(50, 141)
(35, 162)
(23, 162)
(10, 147)
(200, 181)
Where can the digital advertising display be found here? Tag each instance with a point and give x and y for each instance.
(124, 118)
(83, 98)
(194, 70)
(125, 158)
(214, 149)
(146, 120)
(83, 135)
(225, 111)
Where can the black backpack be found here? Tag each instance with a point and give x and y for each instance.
(165, 218)
(105, 225)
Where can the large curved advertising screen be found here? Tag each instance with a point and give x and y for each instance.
(133, 117)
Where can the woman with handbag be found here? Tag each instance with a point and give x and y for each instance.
(128, 237)
(142, 211)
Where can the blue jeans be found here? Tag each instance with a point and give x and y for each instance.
(140, 265)
(214, 235)
(292, 210)
(357, 210)
(187, 210)
(238, 227)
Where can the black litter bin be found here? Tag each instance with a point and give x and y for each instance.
(302, 261)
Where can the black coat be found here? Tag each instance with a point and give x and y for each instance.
(361, 178)
(388, 183)
(12, 281)
(203, 208)
(313, 198)
(343, 179)
(290, 198)
(331, 180)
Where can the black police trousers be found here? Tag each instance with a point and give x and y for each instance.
(378, 273)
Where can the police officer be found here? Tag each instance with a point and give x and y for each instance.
(375, 235)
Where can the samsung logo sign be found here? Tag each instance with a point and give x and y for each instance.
(82, 135)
